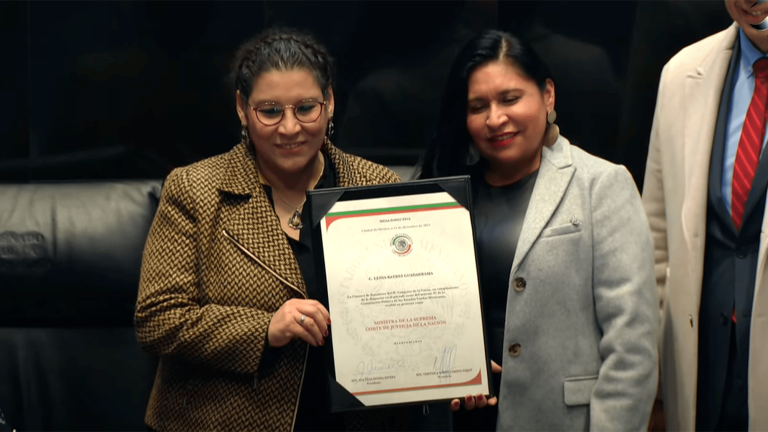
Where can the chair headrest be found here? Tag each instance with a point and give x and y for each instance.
(70, 253)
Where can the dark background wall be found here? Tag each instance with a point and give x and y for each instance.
(131, 89)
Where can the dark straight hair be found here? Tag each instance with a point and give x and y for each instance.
(446, 154)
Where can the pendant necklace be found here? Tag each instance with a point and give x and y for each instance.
(295, 220)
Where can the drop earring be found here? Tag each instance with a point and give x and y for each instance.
(473, 156)
(553, 130)
(244, 138)
(551, 116)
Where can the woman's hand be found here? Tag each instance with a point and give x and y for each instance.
(478, 401)
(287, 323)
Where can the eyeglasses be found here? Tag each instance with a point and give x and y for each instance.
(270, 113)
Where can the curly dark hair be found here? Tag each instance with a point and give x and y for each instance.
(281, 49)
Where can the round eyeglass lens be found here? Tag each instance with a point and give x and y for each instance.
(306, 112)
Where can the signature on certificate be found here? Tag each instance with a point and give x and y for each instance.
(445, 364)
(365, 369)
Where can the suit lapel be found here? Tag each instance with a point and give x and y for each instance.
(718, 149)
(718, 146)
(552, 181)
(703, 89)
(250, 219)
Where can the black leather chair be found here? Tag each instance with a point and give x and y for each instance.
(70, 255)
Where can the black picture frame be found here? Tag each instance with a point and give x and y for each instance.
(319, 203)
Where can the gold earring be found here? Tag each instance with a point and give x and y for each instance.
(553, 130)
(551, 116)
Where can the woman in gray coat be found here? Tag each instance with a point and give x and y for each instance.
(565, 252)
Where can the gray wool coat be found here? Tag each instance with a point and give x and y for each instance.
(582, 310)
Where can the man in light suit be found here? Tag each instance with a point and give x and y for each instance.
(704, 194)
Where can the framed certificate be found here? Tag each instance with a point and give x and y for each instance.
(397, 269)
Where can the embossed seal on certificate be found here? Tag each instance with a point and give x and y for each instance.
(402, 244)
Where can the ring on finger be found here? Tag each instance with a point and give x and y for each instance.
(303, 318)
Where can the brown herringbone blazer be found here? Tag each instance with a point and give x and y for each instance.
(216, 267)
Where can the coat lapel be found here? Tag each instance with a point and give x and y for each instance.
(715, 198)
(250, 219)
(703, 89)
(552, 181)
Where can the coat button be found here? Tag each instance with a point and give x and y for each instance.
(723, 319)
(741, 254)
(515, 349)
(519, 284)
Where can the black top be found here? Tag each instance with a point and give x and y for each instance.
(499, 214)
(313, 412)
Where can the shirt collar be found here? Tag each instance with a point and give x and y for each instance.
(749, 54)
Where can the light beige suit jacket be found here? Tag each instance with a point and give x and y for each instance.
(675, 201)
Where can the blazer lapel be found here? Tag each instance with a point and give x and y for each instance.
(552, 181)
(703, 89)
(251, 221)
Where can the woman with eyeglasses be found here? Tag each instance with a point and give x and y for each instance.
(228, 274)
(565, 253)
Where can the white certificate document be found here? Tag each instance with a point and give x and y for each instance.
(404, 299)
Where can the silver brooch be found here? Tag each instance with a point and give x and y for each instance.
(575, 221)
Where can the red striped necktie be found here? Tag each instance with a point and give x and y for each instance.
(750, 143)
